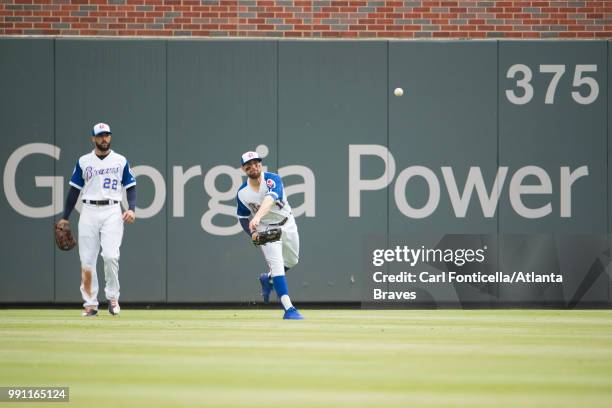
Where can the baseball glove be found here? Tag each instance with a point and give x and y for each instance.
(63, 237)
(271, 235)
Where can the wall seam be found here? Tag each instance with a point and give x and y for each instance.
(387, 97)
(167, 165)
(607, 175)
(497, 120)
(54, 297)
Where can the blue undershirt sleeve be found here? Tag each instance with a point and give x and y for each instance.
(71, 199)
(131, 197)
(244, 222)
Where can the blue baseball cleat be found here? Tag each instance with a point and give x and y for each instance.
(266, 287)
(292, 314)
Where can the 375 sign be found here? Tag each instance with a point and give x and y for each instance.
(585, 89)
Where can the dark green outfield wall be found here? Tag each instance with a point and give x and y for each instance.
(183, 112)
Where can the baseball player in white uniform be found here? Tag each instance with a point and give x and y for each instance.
(262, 197)
(100, 177)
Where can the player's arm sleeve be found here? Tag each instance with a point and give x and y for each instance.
(276, 190)
(244, 223)
(131, 197)
(128, 180)
(71, 199)
(76, 180)
(243, 213)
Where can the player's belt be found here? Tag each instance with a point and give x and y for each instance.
(100, 202)
(280, 224)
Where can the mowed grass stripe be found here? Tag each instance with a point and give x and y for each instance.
(335, 358)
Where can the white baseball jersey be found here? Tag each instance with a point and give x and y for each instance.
(249, 200)
(102, 179)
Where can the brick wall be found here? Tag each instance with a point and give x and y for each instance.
(297, 18)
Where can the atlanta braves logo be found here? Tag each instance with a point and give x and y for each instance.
(270, 183)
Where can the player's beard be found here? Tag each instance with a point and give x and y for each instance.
(255, 174)
(103, 148)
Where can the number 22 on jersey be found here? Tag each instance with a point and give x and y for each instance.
(108, 183)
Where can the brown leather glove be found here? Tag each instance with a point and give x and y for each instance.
(63, 236)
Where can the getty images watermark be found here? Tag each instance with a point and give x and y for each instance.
(417, 268)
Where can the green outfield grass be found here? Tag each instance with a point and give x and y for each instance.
(336, 358)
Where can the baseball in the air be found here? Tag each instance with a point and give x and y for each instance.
(398, 92)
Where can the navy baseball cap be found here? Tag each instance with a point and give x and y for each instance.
(101, 129)
(248, 156)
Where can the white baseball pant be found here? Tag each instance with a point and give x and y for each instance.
(100, 226)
